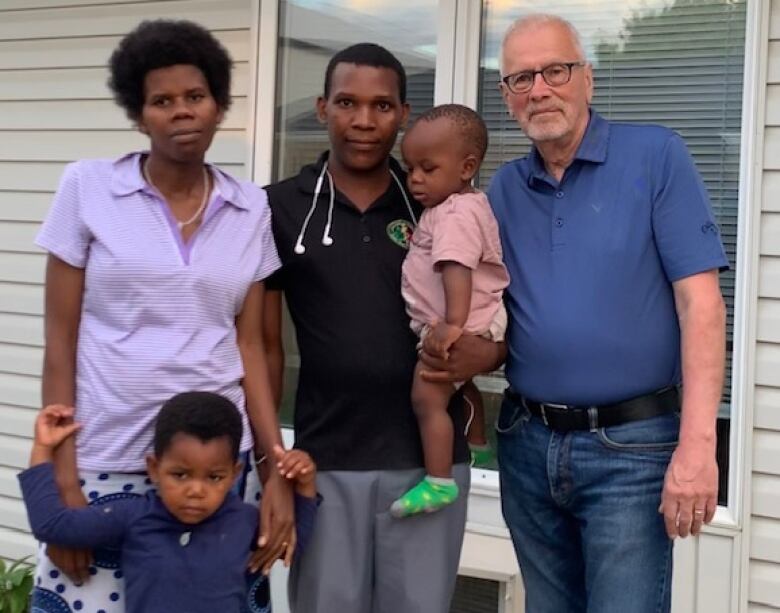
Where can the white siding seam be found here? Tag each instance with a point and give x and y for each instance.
(758, 27)
(28, 39)
(78, 5)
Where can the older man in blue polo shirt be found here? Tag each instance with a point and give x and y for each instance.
(614, 302)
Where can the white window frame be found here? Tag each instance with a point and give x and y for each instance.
(457, 75)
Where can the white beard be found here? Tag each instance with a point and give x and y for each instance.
(547, 128)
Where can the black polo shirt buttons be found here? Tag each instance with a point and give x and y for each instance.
(558, 222)
(363, 222)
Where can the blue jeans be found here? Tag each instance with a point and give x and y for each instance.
(582, 509)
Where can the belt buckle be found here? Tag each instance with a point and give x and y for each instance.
(593, 418)
(543, 407)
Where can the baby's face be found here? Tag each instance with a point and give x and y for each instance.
(193, 477)
(434, 159)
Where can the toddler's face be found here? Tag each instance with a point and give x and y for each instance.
(193, 477)
(435, 161)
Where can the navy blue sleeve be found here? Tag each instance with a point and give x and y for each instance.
(305, 515)
(52, 522)
(686, 235)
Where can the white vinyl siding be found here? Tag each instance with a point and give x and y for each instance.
(764, 537)
(55, 108)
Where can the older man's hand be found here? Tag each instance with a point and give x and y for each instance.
(690, 494)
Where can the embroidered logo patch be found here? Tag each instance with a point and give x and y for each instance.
(400, 232)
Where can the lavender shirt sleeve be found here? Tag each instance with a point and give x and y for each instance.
(52, 522)
(64, 233)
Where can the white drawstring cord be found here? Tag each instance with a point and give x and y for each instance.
(471, 414)
(299, 248)
(327, 240)
(406, 198)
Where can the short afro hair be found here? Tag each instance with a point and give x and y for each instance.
(204, 415)
(367, 54)
(471, 127)
(162, 43)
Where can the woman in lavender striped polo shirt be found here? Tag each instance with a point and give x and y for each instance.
(154, 286)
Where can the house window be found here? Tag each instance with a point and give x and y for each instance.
(677, 63)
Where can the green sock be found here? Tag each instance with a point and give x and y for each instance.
(481, 455)
(429, 495)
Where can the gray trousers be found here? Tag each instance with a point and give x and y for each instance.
(363, 560)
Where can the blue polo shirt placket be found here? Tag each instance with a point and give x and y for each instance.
(558, 225)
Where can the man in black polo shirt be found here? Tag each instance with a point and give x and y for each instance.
(342, 228)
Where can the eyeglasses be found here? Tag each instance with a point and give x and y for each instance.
(554, 75)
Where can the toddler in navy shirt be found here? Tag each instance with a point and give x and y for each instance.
(186, 545)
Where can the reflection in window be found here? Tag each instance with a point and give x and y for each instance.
(310, 32)
(678, 63)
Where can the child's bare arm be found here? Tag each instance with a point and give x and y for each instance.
(456, 279)
(52, 426)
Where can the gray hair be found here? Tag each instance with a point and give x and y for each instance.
(540, 19)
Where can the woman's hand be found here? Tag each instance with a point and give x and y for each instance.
(277, 524)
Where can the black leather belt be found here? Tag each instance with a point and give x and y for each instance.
(564, 417)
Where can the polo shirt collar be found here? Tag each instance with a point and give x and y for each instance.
(306, 181)
(127, 179)
(593, 147)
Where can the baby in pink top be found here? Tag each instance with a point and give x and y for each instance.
(452, 279)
